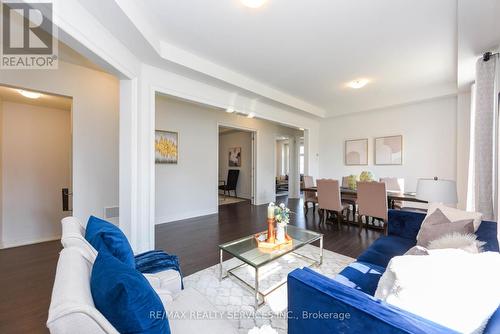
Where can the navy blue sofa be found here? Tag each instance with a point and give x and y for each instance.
(317, 304)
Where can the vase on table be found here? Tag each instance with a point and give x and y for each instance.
(280, 232)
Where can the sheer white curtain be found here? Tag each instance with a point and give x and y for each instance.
(483, 161)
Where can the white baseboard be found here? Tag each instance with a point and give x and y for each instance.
(185, 215)
(245, 196)
(18, 243)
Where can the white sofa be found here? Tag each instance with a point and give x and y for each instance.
(72, 308)
(73, 235)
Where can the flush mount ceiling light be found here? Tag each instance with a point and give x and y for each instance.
(29, 95)
(251, 115)
(230, 110)
(253, 3)
(356, 84)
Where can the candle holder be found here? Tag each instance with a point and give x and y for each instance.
(271, 236)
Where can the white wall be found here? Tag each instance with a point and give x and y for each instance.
(36, 166)
(429, 132)
(463, 137)
(241, 139)
(95, 118)
(189, 188)
(137, 122)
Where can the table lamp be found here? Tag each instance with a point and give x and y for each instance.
(437, 191)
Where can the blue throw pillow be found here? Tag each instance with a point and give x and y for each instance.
(104, 236)
(125, 297)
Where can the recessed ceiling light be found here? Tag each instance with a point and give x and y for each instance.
(301, 129)
(253, 3)
(29, 95)
(230, 110)
(251, 115)
(356, 84)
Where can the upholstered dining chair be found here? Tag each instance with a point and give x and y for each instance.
(329, 200)
(394, 184)
(309, 196)
(372, 202)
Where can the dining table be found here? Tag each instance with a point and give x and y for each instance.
(392, 195)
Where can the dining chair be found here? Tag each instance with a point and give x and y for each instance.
(372, 202)
(394, 184)
(232, 182)
(309, 196)
(329, 200)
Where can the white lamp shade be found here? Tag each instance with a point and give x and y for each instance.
(437, 191)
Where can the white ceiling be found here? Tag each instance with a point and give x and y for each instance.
(310, 49)
(11, 94)
(302, 53)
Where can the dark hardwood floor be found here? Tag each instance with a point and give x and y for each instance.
(195, 240)
(27, 273)
(26, 279)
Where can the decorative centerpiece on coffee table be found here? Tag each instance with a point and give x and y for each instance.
(282, 216)
(275, 237)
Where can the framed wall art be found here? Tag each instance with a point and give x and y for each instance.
(166, 147)
(234, 157)
(389, 150)
(356, 152)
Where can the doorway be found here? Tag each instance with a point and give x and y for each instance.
(35, 165)
(291, 163)
(236, 165)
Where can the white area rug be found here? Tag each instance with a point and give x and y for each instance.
(237, 302)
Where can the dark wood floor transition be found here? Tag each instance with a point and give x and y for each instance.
(27, 273)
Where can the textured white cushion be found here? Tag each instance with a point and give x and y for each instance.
(454, 214)
(467, 242)
(451, 287)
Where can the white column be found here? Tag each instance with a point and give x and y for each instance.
(146, 169)
(128, 159)
(137, 164)
(294, 175)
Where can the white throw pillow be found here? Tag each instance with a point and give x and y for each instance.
(467, 242)
(386, 283)
(454, 214)
(454, 288)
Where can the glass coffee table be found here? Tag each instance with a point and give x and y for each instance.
(246, 250)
